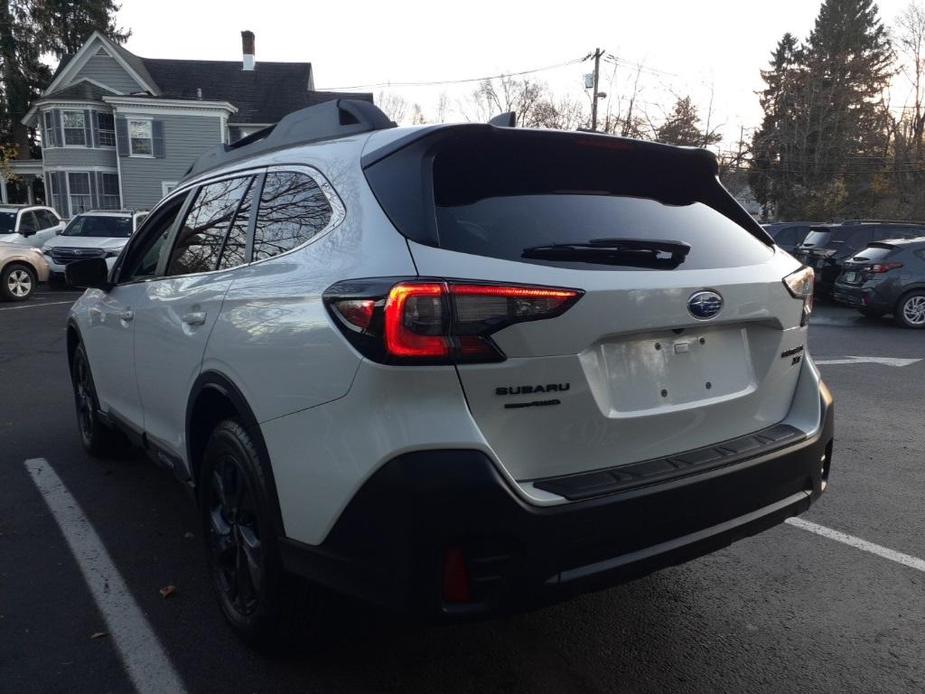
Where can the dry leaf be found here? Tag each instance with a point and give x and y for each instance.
(168, 591)
(98, 635)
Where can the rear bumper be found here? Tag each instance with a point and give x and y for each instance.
(862, 296)
(390, 544)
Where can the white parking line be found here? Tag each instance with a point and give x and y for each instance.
(47, 303)
(145, 660)
(838, 536)
(885, 361)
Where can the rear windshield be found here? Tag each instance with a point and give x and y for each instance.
(506, 226)
(109, 227)
(817, 238)
(7, 222)
(873, 254)
(507, 200)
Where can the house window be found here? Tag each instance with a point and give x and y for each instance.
(50, 136)
(79, 192)
(109, 191)
(167, 187)
(75, 132)
(141, 140)
(106, 129)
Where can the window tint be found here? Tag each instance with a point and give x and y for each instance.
(787, 237)
(236, 242)
(817, 239)
(520, 195)
(28, 222)
(202, 236)
(46, 219)
(292, 210)
(145, 249)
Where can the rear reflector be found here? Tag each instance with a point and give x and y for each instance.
(456, 584)
(438, 321)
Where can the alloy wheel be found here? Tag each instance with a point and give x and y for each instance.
(83, 395)
(914, 310)
(19, 283)
(234, 539)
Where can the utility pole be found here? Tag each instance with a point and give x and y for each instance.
(594, 95)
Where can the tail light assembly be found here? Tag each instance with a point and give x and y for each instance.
(869, 271)
(801, 284)
(437, 321)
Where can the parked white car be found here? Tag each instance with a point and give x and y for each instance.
(28, 225)
(453, 369)
(94, 234)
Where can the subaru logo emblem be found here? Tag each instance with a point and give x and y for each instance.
(704, 305)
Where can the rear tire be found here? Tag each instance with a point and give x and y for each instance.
(910, 310)
(17, 282)
(97, 438)
(260, 600)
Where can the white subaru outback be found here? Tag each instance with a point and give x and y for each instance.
(453, 369)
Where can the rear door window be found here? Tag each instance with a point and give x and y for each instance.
(293, 209)
(201, 239)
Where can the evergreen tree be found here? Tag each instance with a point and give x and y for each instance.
(773, 176)
(66, 24)
(27, 29)
(682, 127)
(849, 60)
(821, 151)
(22, 74)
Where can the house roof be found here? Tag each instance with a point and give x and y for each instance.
(83, 90)
(262, 95)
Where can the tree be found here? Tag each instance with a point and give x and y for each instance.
(682, 127)
(774, 144)
(825, 137)
(27, 29)
(66, 24)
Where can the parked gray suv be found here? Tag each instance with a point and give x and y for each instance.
(886, 277)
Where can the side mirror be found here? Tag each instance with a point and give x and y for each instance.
(89, 273)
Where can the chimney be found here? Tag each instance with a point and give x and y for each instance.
(247, 48)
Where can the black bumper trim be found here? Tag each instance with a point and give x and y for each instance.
(794, 500)
(624, 477)
(388, 545)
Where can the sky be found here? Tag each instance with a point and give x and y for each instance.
(710, 49)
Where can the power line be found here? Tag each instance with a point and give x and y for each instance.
(436, 83)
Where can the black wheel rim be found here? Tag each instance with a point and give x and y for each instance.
(83, 395)
(234, 539)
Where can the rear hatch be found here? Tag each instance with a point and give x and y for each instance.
(678, 339)
(873, 260)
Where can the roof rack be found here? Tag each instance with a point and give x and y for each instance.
(326, 121)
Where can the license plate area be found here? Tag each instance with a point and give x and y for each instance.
(852, 277)
(638, 375)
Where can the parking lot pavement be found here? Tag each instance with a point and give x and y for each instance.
(788, 609)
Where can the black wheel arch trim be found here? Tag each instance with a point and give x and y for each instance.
(224, 386)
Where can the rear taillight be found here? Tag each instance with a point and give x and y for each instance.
(437, 321)
(800, 284)
(880, 268)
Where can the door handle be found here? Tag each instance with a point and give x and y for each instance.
(127, 315)
(194, 318)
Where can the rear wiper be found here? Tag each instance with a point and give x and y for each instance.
(645, 253)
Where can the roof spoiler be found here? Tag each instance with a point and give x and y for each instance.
(326, 121)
